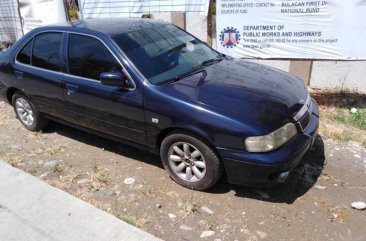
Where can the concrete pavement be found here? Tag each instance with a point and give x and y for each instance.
(30, 209)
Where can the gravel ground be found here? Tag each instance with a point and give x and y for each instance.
(315, 204)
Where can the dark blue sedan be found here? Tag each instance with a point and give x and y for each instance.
(151, 84)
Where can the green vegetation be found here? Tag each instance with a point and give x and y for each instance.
(189, 206)
(357, 119)
(128, 220)
(56, 168)
(73, 12)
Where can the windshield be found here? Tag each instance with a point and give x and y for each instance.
(164, 53)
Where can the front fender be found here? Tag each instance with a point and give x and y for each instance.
(164, 112)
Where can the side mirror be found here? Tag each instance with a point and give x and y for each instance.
(116, 79)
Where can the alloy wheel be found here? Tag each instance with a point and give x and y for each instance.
(187, 161)
(24, 111)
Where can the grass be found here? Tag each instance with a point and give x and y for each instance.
(357, 119)
(336, 120)
(341, 125)
(338, 127)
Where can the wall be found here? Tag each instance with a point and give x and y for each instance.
(325, 74)
(339, 74)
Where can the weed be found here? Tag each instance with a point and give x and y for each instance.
(331, 129)
(100, 174)
(52, 150)
(73, 12)
(189, 206)
(148, 191)
(338, 116)
(15, 161)
(56, 168)
(357, 119)
(128, 220)
(37, 133)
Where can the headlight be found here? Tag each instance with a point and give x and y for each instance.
(271, 141)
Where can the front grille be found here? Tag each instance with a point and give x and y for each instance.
(304, 121)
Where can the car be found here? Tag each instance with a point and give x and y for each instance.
(150, 84)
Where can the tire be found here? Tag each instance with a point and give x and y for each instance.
(27, 113)
(190, 161)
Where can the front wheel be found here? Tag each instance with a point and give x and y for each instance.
(190, 162)
(27, 113)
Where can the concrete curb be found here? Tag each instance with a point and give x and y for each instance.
(30, 209)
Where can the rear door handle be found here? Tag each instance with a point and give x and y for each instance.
(71, 89)
(18, 74)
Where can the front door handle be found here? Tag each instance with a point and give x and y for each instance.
(71, 89)
(18, 74)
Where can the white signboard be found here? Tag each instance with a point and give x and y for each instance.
(306, 29)
(136, 8)
(36, 13)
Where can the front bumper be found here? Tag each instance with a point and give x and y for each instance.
(265, 169)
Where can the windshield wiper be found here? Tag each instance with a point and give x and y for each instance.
(185, 75)
(212, 61)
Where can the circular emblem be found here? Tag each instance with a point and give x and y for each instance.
(229, 37)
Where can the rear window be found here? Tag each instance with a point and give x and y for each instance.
(42, 51)
(46, 51)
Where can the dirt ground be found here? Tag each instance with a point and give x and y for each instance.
(315, 204)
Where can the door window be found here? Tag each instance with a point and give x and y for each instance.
(46, 51)
(24, 56)
(88, 57)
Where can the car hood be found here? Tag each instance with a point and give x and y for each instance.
(244, 90)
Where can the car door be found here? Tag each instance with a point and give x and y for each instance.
(37, 72)
(107, 109)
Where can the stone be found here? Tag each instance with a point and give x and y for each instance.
(207, 233)
(172, 216)
(185, 227)
(261, 234)
(206, 210)
(44, 174)
(103, 193)
(320, 187)
(15, 147)
(83, 181)
(129, 180)
(359, 205)
(52, 163)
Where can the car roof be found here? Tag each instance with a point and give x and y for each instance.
(108, 26)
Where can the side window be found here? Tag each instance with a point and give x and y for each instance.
(88, 57)
(24, 56)
(46, 51)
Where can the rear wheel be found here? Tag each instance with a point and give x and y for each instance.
(190, 161)
(27, 113)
